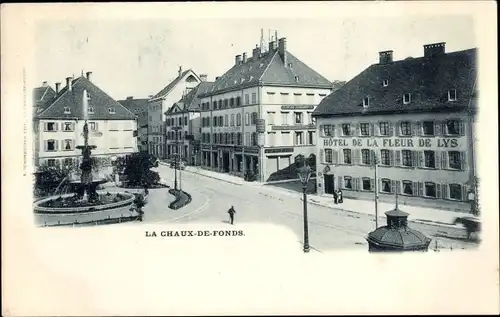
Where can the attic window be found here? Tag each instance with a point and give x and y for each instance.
(385, 82)
(296, 78)
(91, 110)
(243, 79)
(290, 65)
(67, 110)
(406, 98)
(251, 78)
(111, 110)
(366, 102)
(261, 65)
(452, 95)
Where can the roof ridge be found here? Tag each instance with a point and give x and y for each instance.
(57, 99)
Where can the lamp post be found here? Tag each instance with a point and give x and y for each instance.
(304, 175)
(176, 154)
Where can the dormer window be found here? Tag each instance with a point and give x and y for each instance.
(111, 110)
(290, 65)
(251, 78)
(91, 110)
(296, 78)
(406, 98)
(67, 110)
(385, 83)
(366, 102)
(452, 95)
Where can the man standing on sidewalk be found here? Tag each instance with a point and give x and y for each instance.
(231, 212)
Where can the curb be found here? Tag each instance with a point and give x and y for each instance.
(224, 180)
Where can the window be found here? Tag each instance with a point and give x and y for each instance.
(429, 159)
(238, 139)
(67, 110)
(384, 128)
(452, 95)
(220, 104)
(68, 161)
(299, 138)
(347, 182)
(385, 185)
(111, 110)
(254, 98)
(455, 161)
(185, 121)
(231, 102)
(215, 121)
(385, 158)
(296, 78)
(366, 102)
(406, 158)
(91, 110)
(271, 136)
(221, 121)
(346, 129)
(430, 189)
(247, 99)
(247, 118)
(232, 119)
(226, 102)
(51, 145)
(93, 126)
(405, 128)
(455, 191)
(68, 145)
(347, 156)
(365, 156)
(51, 162)
(327, 130)
(51, 126)
(365, 129)
(254, 118)
(298, 117)
(247, 138)
(238, 119)
(310, 139)
(270, 117)
(366, 183)
(428, 128)
(452, 127)
(328, 156)
(238, 101)
(214, 105)
(284, 97)
(68, 126)
(385, 83)
(408, 187)
(254, 138)
(406, 98)
(226, 120)
(284, 118)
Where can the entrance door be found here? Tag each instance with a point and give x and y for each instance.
(225, 162)
(329, 183)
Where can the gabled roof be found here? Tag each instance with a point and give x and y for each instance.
(271, 70)
(133, 104)
(73, 99)
(191, 101)
(427, 79)
(42, 97)
(162, 93)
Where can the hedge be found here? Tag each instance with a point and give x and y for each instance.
(181, 199)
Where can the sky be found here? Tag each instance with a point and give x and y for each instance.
(139, 57)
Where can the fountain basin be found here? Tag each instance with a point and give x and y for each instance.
(40, 206)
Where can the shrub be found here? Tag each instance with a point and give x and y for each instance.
(137, 170)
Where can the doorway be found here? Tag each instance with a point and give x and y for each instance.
(225, 162)
(329, 186)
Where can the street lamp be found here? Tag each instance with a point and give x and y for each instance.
(304, 175)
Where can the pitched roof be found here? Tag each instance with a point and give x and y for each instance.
(133, 104)
(162, 93)
(427, 79)
(270, 69)
(73, 99)
(191, 101)
(42, 97)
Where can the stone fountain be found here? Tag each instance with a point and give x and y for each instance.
(83, 196)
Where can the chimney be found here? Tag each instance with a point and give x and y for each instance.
(203, 77)
(244, 57)
(58, 86)
(272, 46)
(237, 60)
(216, 78)
(282, 49)
(436, 49)
(89, 74)
(256, 52)
(130, 97)
(180, 71)
(44, 84)
(68, 82)
(385, 57)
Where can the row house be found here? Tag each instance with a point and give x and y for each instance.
(58, 128)
(139, 107)
(163, 101)
(183, 125)
(414, 118)
(257, 117)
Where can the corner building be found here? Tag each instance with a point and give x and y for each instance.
(415, 119)
(258, 115)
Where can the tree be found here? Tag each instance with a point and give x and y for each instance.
(137, 170)
(49, 177)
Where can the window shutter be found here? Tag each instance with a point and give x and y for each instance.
(397, 162)
(322, 130)
(358, 129)
(340, 184)
(359, 181)
(46, 145)
(461, 128)
(437, 128)
(418, 128)
(444, 191)
(393, 186)
(372, 184)
(379, 184)
(415, 188)
(420, 189)
(372, 157)
(340, 157)
(391, 157)
(56, 145)
(464, 193)
(420, 159)
(391, 129)
(398, 187)
(322, 156)
(356, 160)
(463, 160)
(398, 128)
(438, 190)
(444, 159)
(372, 129)
(332, 129)
(443, 128)
(414, 127)
(335, 156)
(414, 157)
(339, 132)
(73, 145)
(45, 126)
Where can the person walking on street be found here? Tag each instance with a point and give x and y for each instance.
(231, 212)
(335, 196)
(341, 198)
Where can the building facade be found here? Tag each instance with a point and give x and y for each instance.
(160, 103)
(183, 125)
(59, 128)
(414, 119)
(257, 117)
(139, 107)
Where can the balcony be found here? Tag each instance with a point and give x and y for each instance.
(294, 127)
